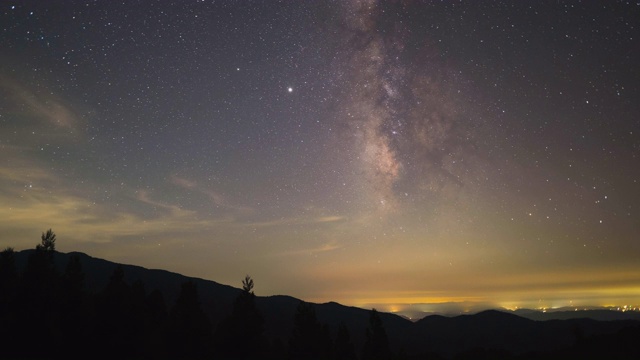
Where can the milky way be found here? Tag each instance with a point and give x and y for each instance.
(368, 152)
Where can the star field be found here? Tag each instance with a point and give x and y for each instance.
(367, 152)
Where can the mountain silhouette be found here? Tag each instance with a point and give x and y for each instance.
(595, 314)
(487, 333)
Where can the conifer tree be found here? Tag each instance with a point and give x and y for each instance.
(309, 340)
(48, 242)
(189, 328)
(344, 349)
(8, 287)
(8, 276)
(376, 346)
(38, 301)
(241, 334)
(113, 317)
(74, 310)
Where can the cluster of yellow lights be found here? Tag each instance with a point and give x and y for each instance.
(395, 308)
(613, 308)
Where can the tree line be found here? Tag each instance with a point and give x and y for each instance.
(47, 314)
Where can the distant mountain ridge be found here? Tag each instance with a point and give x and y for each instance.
(446, 336)
(595, 314)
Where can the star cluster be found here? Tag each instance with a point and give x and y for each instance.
(368, 152)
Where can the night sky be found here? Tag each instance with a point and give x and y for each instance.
(374, 153)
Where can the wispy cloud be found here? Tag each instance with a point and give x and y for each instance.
(29, 206)
(216, 198)
(43, 106)
(301, 220)
(22, 172)
(326, 247)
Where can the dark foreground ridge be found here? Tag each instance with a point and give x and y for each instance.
(55, 305)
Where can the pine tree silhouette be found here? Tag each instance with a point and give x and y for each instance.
(309, 340)
(8, 278)
(241, 334)
(376, 346)
(155, 326)
(113, 324)
(8, 287)
(38, 301)
(48, 242)
(189, 327)
(74, 310)
(344, 349)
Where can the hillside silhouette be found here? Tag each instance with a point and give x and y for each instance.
(55, 305)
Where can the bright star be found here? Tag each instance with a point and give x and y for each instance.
(290, 89)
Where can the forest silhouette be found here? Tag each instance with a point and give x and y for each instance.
(49, 313)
